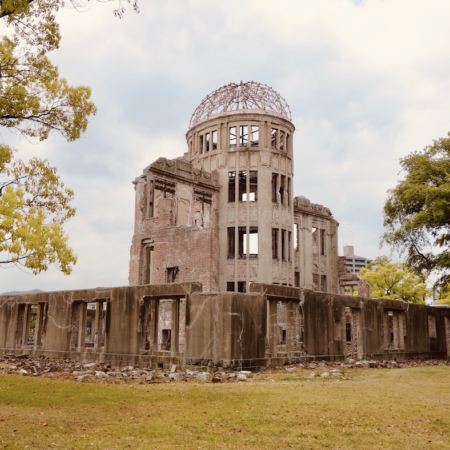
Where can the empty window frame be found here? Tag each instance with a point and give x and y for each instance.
(283, 245)
(322, 242)
(171, 274)
(391, 326)
(148, 264)
(297, 279)
(274, 138)
(214, 140)
(288, 143)
(274, 243)
(323, 283)
(288, 192)
(289, 245)
(242, 286)
(253, 186)
(242, 194)
(253, 242)
(296, 237)
(314, 240)
(207, 142)
(230, 286)
(231, 242)
(243, 136)
(274, 187)
(348, 332)
(242, 242)
(166, 336)
(254, 136)
(282, 146)
(281, 189)
(201, 144)
(232, 137)
(231, 186)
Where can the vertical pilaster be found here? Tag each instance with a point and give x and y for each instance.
(82, 325)
(154, 311)
(290, 326)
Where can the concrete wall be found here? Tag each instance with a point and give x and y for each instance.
(219, 329)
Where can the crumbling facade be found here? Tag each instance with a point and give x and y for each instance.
(228, 269)
(229, 199)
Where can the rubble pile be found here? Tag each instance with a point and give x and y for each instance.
(102, 372)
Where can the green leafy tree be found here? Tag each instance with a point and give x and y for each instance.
(33, 208)
(35, 101)
(394, 281)
(417, 212)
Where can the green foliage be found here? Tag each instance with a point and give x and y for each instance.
(33, 208)
(394, 281)
(34, 101)
(417, 211)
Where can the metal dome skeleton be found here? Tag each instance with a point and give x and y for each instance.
(232, 97)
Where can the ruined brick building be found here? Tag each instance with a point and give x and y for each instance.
(224, 213)
(228, 269)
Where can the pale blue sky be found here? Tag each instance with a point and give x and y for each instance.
(367, 83)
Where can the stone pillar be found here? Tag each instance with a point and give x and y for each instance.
(175, 326)
(82, 325)
(154, 311)
(401, 332)
(26, 324)
(273, 328)
(290, 326)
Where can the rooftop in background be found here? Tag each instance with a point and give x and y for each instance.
(232, 97)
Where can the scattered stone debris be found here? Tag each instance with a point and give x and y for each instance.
(105, 373)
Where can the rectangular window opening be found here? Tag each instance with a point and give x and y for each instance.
(242, 195)
(274, 187)
(148, 264)
(231, 242)
(296, 237)
(254, 137)
(283, 245)
(242, 242)
(288, 143)
(281, 190)
(231, 186)
(253, 194)
(151, 199)
(288, 192)
(207, 142)
(297, 279)
(322, 242)
(274, 137)
(166, 340)
(289, 245)
(242, 286)
(214, 140)
(274, 243)
(282, 134)
(243, 136)
(201, 144)
(348, 332)
(253, 242)
(171, 274)
(314, 241)
(323, 283)
(232, 137)
(230, 286)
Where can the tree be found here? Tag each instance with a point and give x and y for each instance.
(35, 101)
(33, 207)
(417, 212)
(394, 281)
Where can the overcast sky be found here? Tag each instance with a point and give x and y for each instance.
(367, 83)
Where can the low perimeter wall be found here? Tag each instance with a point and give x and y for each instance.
(160, 325)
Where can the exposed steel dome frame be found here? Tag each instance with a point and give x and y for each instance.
(232, 97)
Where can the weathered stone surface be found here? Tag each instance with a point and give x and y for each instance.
(241, 377)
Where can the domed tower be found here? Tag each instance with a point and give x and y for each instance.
(243, 133)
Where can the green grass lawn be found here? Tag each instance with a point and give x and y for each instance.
(400, 408)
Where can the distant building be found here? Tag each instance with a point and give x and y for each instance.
(354, 263)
